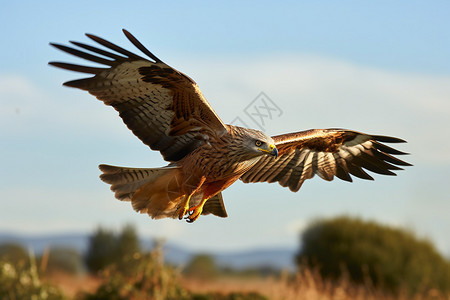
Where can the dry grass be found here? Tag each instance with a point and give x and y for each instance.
(71, 284)
(308, 285)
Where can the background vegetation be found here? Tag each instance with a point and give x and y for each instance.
(366, 252)
(19, 278)
(341, 258)
(107, 248)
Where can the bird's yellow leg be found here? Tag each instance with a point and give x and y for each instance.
(195, 211)
(184, 207)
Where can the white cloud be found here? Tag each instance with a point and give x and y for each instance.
(294, 227)
(15, 84)
(26, 110)
(16, 94)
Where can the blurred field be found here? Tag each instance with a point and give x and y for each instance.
(116, 267)
(304, 286)
(71, 285)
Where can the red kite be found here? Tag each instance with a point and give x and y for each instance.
(166, 110)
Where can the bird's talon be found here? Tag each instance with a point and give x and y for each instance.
(181, 213)
(194, 214)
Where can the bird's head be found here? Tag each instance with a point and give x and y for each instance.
(258, 143)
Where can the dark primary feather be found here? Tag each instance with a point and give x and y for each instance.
(99, 51)
(77, 68)
(141, 47)
(84, 55)
(327, 153)
(163, 107)
(114, 47)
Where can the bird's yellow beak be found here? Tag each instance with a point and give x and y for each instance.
(272, 150)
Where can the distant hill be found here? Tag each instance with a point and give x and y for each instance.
(276, 258)
(39, 242)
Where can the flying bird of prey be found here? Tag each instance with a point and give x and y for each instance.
(165, 109)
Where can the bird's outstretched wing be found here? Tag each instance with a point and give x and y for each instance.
(163, 107)
(327, 153)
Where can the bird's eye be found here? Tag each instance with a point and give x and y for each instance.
(258, 143)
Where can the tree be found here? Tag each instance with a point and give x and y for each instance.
(101, 250)
(127, 242)
(106, 248)
(127, 247)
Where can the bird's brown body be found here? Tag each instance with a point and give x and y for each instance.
(202, 174)
(167, 111)
(221, 158)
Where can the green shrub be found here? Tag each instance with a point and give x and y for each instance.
(389, 258)
(145, 278)
(13, 253)
(21, 281)
(136, 275)
(201, 266)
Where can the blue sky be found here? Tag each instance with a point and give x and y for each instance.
(379, 67)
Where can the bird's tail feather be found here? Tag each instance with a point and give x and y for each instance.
(155, 191)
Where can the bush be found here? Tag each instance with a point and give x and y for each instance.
(145, 278)
(201, 266)
(388, 258)
(21, 281)
(136, 275)
(13, 253)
